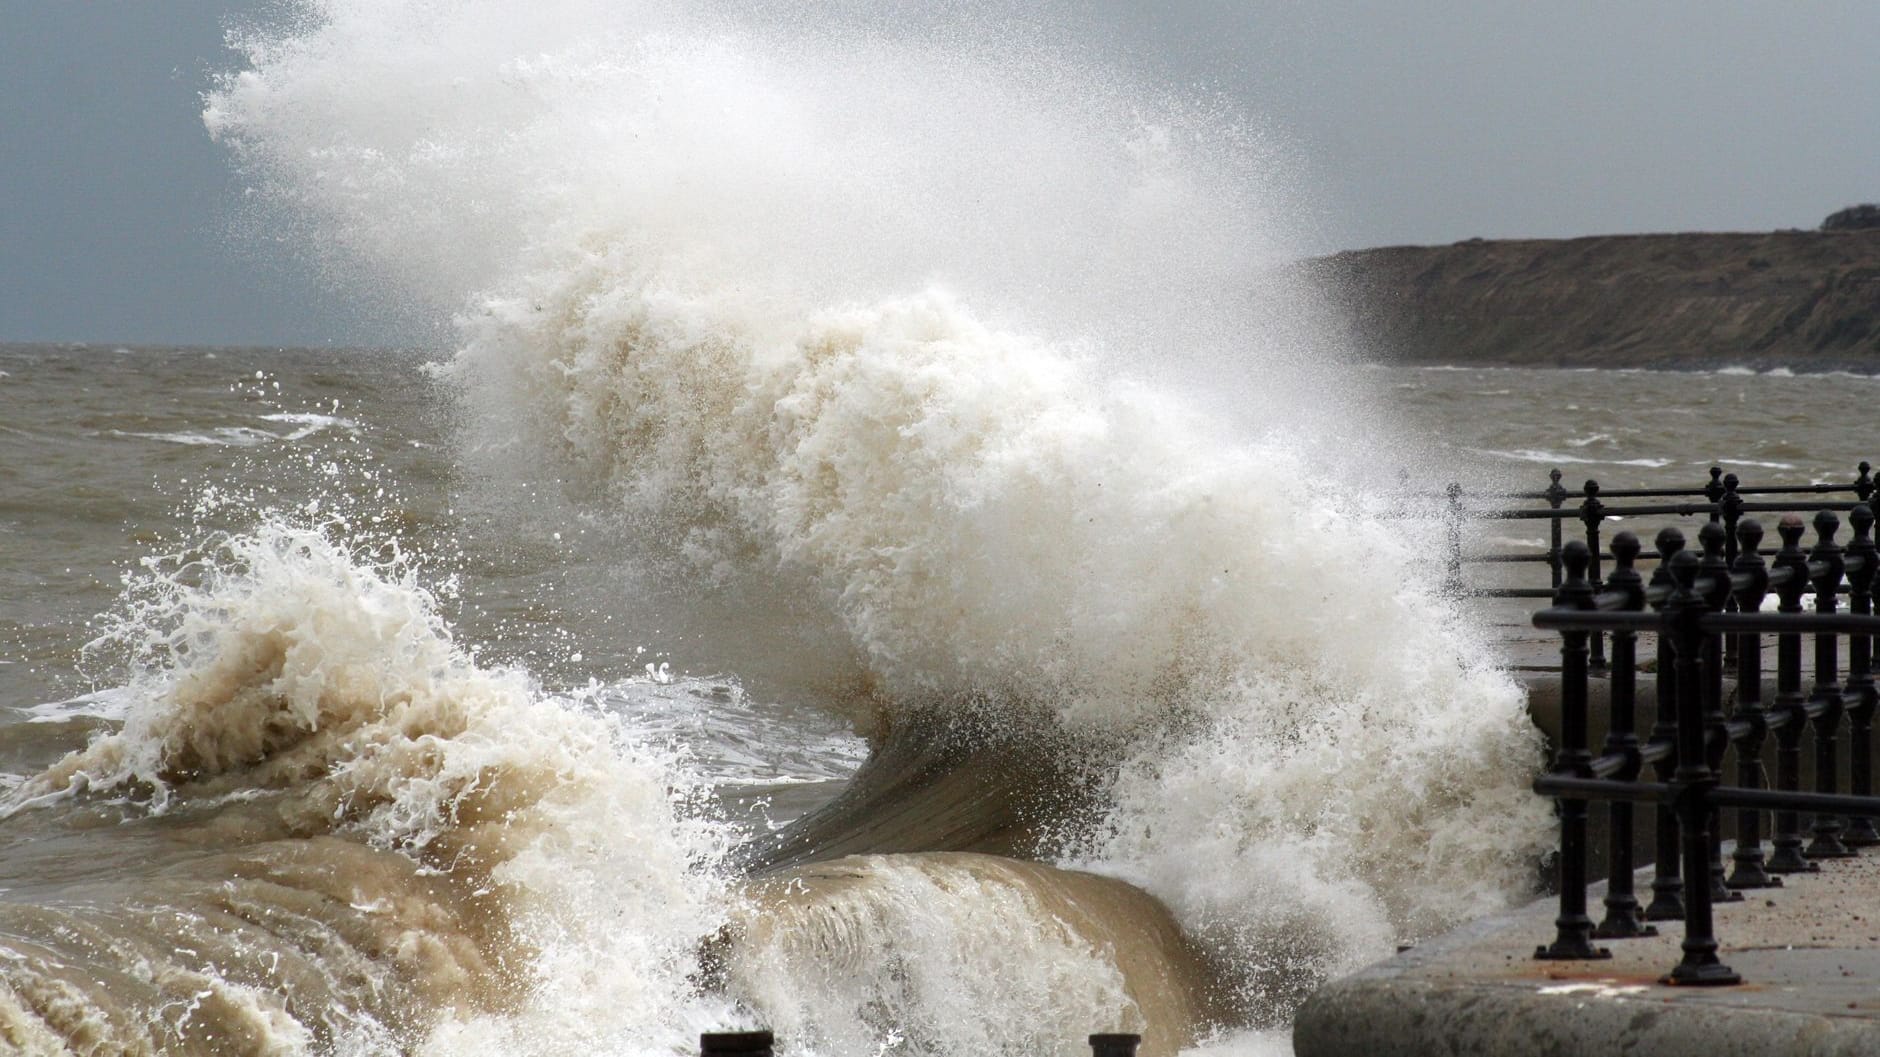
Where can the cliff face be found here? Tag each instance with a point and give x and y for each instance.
(1809, 300)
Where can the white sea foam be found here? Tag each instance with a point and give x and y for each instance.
(311, 423)
(280, 661)
(223, 436)
(911, 333)
(108, 704)
(1556, 458)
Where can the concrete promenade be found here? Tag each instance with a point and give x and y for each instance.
(1809, 954)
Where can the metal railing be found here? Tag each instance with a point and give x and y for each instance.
(1690, 595)
(1721, 500)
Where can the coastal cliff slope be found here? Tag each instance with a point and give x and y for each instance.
(1808, 300)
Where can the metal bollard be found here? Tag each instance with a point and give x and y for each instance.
(1114, 1045)
(735, 1044)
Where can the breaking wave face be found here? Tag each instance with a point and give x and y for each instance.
(919, 331)
(362, 842)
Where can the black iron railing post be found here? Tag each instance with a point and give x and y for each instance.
(1865, 488)
(1452, 527)
(1693, 780)
(1573, 929)
(1556, 495)
(1748, 869)
(1730, 509)
(1623, 918)
(1827, 566)
(1592, 514)
(1790, 713)
(1716, 573)
(1693, 737)
(1667, 885)
(1862, 556)
(1713, 491)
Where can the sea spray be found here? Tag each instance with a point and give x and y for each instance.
(783, 160)
(909, 337)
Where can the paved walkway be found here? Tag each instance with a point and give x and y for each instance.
(1809, 953)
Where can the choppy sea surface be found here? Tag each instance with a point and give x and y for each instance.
(114, 454)
(361, 745)
(885, 550)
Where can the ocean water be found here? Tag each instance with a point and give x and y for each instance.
(882, 548)
(316, 740)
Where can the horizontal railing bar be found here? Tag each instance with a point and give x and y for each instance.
(1612, 763)
(1778, 717)
(1763, 489)
(1560, 619)
(1767, 508)
(1644, 556)
(1611, 601)
(1802, 489)
(1564, 513)
(1574, 512)
(1600, 788)
(1826, 803)
(1643, 493)
(1781, 623)
(1719, 796)
(1512, 592)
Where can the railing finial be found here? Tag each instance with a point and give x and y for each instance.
(1575, 557)
(1669, 541)
(1790, 528)
(1826, 525)
(1749, 536)
(1683, 567)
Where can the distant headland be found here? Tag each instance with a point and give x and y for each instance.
(1805, 300)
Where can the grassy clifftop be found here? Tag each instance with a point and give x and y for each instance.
(1809, 300)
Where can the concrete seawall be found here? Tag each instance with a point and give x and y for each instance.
(1809, 953)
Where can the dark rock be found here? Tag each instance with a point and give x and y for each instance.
(1853, 218)
(1808, 300)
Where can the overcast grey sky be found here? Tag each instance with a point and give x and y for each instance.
(1416, 123)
